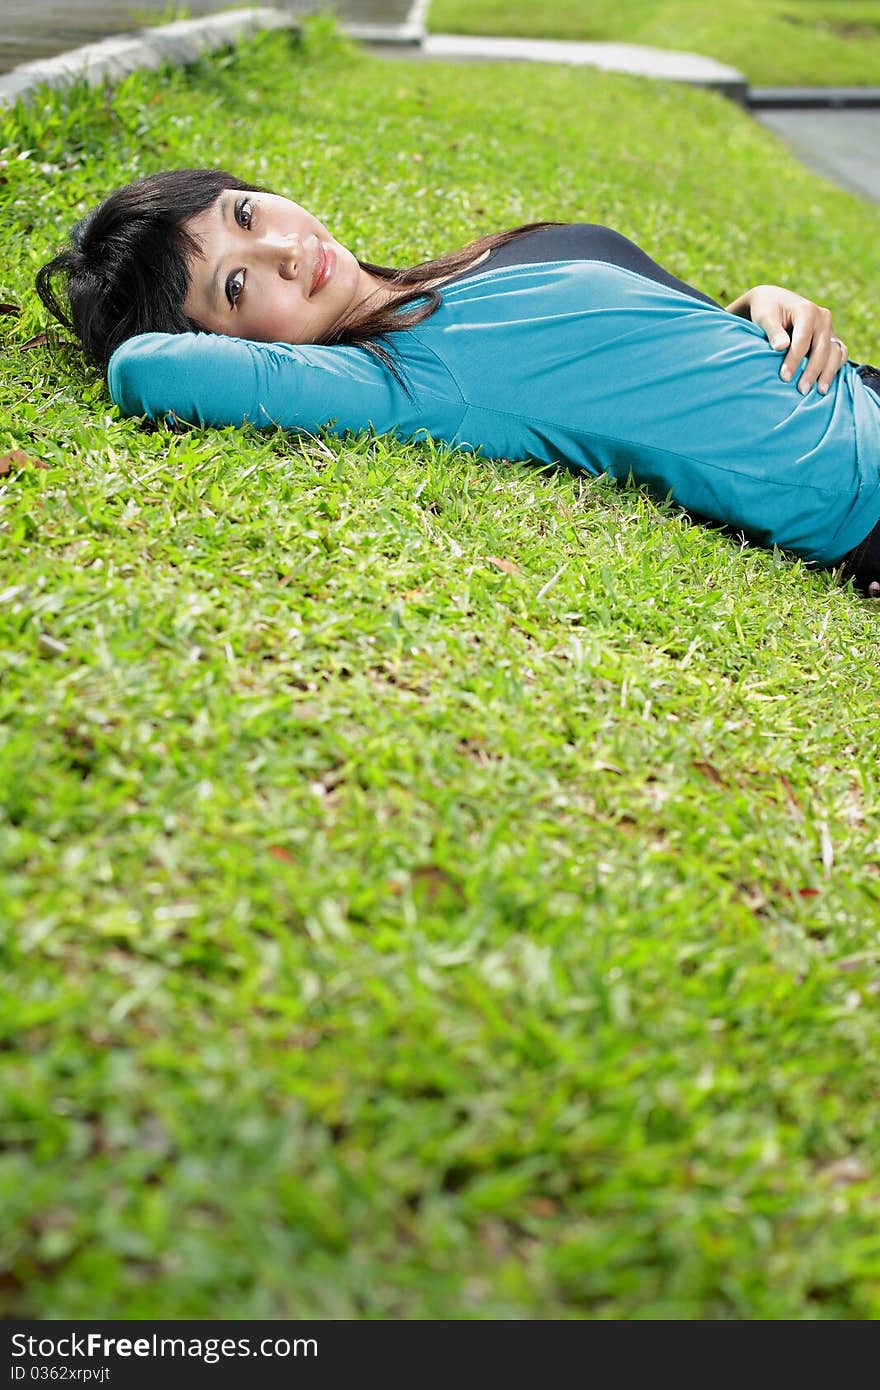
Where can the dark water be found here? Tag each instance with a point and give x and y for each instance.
(40, 28)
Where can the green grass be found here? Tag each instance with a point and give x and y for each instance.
(429, 887)
(774, 42)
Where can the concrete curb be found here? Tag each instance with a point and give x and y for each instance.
(814, 98)
(411, 33)
(112, 59)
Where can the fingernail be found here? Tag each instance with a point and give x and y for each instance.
(823, 388)
(803, 388)
(785, 374)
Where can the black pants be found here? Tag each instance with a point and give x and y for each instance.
(862, 564)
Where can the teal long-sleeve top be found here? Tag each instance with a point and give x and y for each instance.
(582, 362)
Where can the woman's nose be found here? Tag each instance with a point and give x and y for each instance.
(283, 253)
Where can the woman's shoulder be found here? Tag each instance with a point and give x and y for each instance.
(550, 242)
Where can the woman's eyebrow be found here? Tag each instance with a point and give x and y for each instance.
(216, 297)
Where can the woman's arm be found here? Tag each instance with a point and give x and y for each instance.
(210, 379)
(792, 322)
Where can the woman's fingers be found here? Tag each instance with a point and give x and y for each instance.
(834, 364)
(812, 337)
(770, 307)
(803, 328)
(792, 322)
(774, 310)
(827, 356)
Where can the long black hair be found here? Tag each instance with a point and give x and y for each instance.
(126, 266)
(126, 269)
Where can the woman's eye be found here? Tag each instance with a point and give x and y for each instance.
(244, 212)
(234, 286)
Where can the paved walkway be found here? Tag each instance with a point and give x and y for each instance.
(842, 145)
(834, 133)
(631, 58)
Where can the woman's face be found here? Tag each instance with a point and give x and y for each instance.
(270, 271)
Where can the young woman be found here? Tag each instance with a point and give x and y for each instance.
(219, 303)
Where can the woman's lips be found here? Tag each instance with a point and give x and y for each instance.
(325, 263)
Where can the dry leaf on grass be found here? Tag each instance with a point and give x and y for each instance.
(17, 459)
(507, 565)
(38, 340)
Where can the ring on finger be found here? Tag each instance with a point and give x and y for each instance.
(837, 343)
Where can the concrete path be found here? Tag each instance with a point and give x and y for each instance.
(842, 145)
(611, 57)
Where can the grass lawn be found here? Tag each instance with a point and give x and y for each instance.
(429, 887)
(774, 42)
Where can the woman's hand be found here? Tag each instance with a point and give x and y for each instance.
(792, 322)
